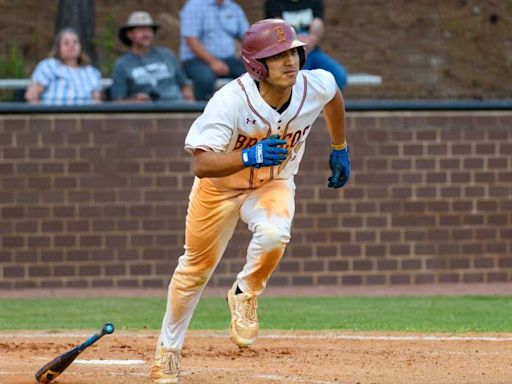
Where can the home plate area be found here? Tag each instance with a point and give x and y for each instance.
(277, 357)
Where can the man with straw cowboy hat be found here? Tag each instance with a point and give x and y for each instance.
(147, 73)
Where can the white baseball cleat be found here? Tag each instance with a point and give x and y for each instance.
(166, 367)
(244, 326)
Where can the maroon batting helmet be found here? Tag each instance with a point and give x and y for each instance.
(267, 38)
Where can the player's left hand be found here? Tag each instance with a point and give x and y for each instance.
(340, 167)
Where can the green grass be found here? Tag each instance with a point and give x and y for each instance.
(418, 314)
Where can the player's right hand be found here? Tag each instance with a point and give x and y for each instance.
(266, 153)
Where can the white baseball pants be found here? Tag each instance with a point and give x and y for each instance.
(212, 217)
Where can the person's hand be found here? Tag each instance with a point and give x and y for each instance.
(219, 67)
(188, 93)
(310, 40)
(265, 153)
(340, 168)
(141, 97)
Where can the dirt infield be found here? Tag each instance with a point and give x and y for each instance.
(278, 357)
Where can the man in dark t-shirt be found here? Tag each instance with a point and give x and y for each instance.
(146, 72)
(306, 16)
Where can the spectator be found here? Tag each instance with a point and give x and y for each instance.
(66, 76)
(306, 16)
(147, 73)
(209, 30)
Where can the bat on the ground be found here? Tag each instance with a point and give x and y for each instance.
(55, 367)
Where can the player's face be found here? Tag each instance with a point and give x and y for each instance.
(283, 68)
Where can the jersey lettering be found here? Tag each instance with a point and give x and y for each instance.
(240, 142)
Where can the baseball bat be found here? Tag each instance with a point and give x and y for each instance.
(55, 367)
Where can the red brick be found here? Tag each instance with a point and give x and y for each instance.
(25, 257)
(390, 236)
(449, 278)
(339, 265)
(459, 264)
(89, 211)
(39, 271)
(51, 284)
(90, 241)
(103, 225)
(76, 284)
(365, 236)
(89, 270)
(476, 191)
(13, 272)
(327, 280)
(52, 256)
(494, 277)
(313, 266)
(472, 249)
(424, 278)
(79, 138)
(38, 242)
(63, 211)
(65, 182)
(352, 280)
(437, 149)
(473, 277)
(375, 279)
(115, 270)
(484, 262)
(13, 241)
(362, 265)
(300, 250)
(400, 279)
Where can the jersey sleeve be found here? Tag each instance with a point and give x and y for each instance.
(44, 72)
(190, 19)
(95, 76)
(323, 84)
(212, 131)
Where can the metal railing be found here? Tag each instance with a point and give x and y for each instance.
(356, 79)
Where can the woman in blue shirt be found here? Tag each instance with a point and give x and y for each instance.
(66, 76)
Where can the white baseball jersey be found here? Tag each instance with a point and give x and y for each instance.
(237, 117)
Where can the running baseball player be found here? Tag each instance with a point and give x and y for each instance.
(246, 148)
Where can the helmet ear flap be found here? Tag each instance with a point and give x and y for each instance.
(302, 56)
(256, 68)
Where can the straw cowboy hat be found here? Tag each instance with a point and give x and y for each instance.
(136, 19)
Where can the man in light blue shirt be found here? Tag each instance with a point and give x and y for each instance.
(209, 30)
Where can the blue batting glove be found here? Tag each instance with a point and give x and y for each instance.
(340, 168)
(266, 153)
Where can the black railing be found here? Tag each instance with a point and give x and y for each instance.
(171, 107)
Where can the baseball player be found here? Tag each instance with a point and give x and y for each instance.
(246, 148)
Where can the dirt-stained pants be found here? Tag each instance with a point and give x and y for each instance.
(211, 220)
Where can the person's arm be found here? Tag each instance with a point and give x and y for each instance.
(334, 115)
(96, 96)
(339, 160)
(213, 164)
(268, 152)
(217, 66)
(33, 92)
(188, 93)
(316, 31)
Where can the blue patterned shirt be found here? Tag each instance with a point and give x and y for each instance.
(65, 85)
(216, 27)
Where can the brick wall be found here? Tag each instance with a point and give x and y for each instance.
(100, 200)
